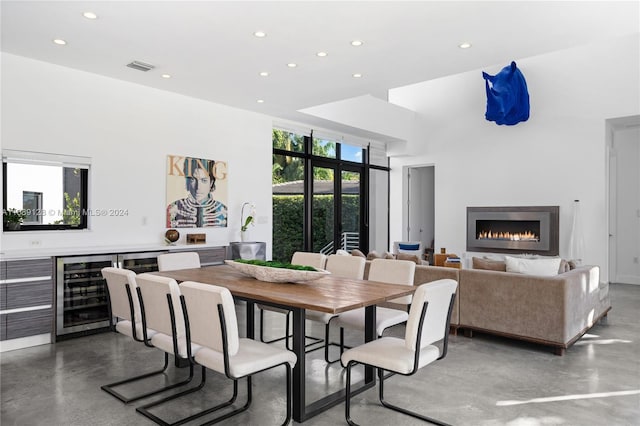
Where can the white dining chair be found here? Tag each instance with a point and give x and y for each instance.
(161, 310)
(428, 323)
(340, 266)
(179, 260)
(125, 310)
(387, 271)
(315, 260)
(211, 323)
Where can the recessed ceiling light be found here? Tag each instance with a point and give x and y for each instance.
(260, 34)
(260, 101)
(166, 75)
(357, 75)
(90, 15)
(59, 41)
(264, 74)
(464, 45)
(292, 65)
(356, 43)
(321, 54)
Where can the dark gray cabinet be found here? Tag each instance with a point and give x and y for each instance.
(27, 294)
(26, 298)
(209, 255)
(31, 323)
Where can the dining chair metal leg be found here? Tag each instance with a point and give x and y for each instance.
(237, 410)
(109, 387)
(329, 343)
(145, 409)
(286, 337)
(347, 405)
(381, 378)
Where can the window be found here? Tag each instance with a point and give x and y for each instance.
(51, 190)
(324, 148)
(32, 204)
(351, 153)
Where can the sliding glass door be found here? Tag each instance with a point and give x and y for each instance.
(323, 210)
(336, 212)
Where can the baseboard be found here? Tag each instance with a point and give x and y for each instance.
(25, 342)
(627, 279)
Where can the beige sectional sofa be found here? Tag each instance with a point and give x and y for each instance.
(552, 310)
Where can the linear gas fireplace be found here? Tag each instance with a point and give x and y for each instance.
(513, 229)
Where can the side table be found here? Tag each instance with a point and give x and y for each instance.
(440, 259)
(457, 265)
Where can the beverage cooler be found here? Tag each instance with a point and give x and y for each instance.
(82, 305)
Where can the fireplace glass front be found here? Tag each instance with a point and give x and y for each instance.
(513, 229)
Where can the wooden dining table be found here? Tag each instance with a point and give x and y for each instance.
(330, 294)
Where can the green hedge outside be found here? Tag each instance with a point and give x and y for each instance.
(288, 219)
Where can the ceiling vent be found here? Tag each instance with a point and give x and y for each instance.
(140, 66)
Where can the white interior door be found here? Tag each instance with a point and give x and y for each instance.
(420, 204)
(624, 201)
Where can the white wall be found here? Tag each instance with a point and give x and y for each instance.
(557, 156)
(128, 130)
(378, 213)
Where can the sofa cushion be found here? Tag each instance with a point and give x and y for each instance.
(564, 267)
(545, 267)
(373, 255)
(358, 253)
(489, 264)
(388, 255)
(410, 257)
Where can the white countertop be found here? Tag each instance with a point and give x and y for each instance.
(73, 251)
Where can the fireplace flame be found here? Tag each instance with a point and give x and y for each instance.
(511, 236)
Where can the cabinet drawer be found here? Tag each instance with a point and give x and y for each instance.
(212, 256)
(3, 270)
(31, 323)
(3, 327)
(29, 268)
(26, 294)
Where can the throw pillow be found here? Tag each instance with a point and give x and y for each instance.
(387, 255)
(358, 253)
(411, 257)
(373, 255)
(489, 264)
(412, 247)
(544, 267)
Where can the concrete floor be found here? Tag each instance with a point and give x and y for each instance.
(483, 381)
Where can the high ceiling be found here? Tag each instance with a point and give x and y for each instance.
(211, 53)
